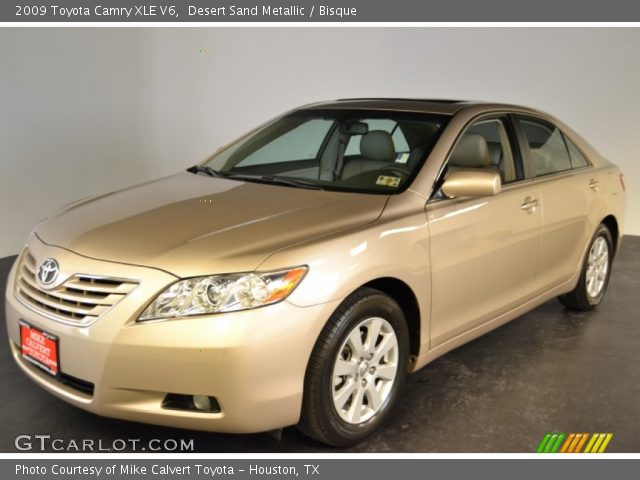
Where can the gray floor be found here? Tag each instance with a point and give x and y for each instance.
(550, 370)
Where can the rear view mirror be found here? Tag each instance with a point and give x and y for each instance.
(354, 128)
(472, 182)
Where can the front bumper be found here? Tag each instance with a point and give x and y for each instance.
(253, 362)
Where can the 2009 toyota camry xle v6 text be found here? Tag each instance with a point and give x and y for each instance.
(298, 275)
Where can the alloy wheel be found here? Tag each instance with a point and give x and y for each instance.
(597, 267)
(365, 370)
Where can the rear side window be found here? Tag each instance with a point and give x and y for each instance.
(578, 160)
(548, 151)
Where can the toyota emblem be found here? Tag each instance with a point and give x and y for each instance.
(48, 271)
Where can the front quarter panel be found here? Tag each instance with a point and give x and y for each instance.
(396, 246)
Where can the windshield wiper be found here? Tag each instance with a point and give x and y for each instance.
(293, 182)
(206, 169)
(276, 180)
(272, 179)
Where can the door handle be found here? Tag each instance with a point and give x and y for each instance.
(529, 204)
(594, 184)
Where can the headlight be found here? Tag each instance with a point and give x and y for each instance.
(223, 293)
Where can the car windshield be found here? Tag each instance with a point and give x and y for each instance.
(349, 150)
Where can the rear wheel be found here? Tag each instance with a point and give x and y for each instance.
(356, 370)
(596, 271)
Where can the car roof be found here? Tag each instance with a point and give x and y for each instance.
(423, 105)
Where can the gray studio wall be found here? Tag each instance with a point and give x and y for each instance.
(85, 111)
(74, 120)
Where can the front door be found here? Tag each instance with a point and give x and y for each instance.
(483, 250)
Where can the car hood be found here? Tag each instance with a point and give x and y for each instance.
(193, 225)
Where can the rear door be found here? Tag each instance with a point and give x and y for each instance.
(570, 193)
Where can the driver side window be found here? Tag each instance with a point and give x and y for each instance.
(483, 145)
(500, 156)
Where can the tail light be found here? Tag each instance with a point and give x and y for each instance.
(622, 182)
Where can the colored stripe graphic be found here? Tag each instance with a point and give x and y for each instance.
(598, 442)
(581, 443)
(605, 443)
(543, 443)
(567, 443)
(591, 442)
(556, 445)
(574, 442)
(552, 440)
(550, 443)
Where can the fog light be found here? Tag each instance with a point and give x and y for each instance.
(202, 402)
(194, 403)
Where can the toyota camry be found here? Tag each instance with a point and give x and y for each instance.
(299, 274)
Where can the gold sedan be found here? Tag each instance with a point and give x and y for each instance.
(298, 275)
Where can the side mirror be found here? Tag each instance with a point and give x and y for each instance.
(472, 182)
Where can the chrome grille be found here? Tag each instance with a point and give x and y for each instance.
(80, 300)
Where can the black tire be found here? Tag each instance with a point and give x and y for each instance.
(579, 298)
(319, 418)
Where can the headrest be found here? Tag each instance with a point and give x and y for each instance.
(377, 145)
(471, 151)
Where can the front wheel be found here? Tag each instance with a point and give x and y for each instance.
(594, 278)
(356, 370)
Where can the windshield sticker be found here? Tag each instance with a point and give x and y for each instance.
(388, 181)
(403, 158)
